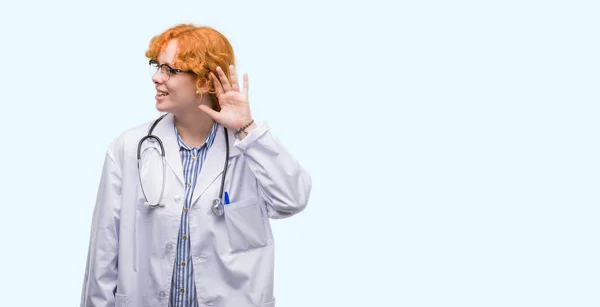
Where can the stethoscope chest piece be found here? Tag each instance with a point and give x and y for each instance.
(217, 207)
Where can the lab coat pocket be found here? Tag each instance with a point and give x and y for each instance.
(121, 300)
(245, 225)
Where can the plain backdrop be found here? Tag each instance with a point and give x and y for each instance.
(453, 145)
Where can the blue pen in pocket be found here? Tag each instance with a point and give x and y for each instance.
(226, 198)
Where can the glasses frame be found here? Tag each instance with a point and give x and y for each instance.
(168, 71)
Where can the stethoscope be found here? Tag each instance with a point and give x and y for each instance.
(217, 206)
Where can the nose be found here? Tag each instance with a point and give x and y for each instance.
(157, 78)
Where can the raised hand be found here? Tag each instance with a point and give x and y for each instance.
(235, 110)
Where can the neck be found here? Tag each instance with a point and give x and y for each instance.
(193, 126)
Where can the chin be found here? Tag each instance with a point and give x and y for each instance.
(164, 106)
(168, 107)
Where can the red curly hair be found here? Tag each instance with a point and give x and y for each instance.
(199, 49)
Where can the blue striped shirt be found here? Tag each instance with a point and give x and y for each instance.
(183, 289)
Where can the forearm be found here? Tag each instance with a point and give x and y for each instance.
(284, 184)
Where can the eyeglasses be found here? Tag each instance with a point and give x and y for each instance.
(166, 70)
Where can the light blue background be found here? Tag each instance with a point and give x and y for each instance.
(453, 145)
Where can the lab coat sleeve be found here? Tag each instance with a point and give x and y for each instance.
(283, 183)
(100, 279)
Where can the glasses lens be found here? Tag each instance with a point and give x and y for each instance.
(154, 68)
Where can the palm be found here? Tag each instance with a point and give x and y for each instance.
(234, 109)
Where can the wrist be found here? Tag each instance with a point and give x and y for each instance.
(243, 131)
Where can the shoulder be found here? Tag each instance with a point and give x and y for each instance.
(128, 140)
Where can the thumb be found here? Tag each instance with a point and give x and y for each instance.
(212, 113)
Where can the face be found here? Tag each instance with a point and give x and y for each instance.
(175, 93)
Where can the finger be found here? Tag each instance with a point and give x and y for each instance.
(223, 79)
(245, 85)
(234, 81)
(217, 84)
(212, 113)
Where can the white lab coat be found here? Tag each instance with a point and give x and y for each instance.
(132, 247)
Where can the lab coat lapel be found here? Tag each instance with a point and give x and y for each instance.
(166, 132)
(212, 167)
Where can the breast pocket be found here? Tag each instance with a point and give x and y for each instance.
(121, 300)
(245, 225)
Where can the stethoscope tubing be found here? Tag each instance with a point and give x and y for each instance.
(217, 206)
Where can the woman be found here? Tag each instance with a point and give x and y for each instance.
(174, 244)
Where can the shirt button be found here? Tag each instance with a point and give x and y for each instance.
(183, 263)
(194, 158)
(184, 238)
(182, 290)
(185, 210)
(189, 185)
